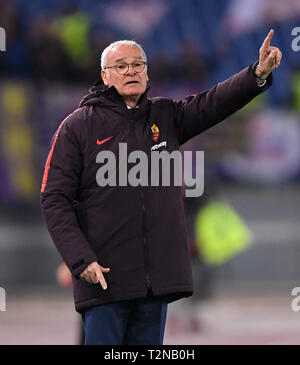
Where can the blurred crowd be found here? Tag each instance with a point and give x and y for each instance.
(66, 45)
(199, 43)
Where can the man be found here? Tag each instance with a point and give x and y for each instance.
(126, 246)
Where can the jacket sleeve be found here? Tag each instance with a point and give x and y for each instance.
(59, 190)
(200, 112)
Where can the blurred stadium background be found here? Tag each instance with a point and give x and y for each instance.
(252, 161)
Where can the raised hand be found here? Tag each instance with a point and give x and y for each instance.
(269, 57)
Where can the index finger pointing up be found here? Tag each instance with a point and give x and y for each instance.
(268, 38)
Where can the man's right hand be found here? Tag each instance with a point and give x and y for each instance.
(93, 274)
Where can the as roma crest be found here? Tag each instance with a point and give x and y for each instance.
(155, 132)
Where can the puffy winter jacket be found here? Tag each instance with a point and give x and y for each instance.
(138, 232)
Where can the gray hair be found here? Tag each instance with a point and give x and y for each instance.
(119, 43)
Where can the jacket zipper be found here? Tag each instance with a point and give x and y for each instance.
(148, 282)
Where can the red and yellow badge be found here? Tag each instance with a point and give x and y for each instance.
(155, 132)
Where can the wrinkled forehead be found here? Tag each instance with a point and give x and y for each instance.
(124, 53)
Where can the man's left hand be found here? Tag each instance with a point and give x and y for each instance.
(269, 57)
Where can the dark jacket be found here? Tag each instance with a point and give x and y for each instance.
(138, 232)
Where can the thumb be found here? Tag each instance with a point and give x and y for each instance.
(105, 269)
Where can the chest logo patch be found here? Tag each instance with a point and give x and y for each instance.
(155, 132)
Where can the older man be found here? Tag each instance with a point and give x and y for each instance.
(126, 246)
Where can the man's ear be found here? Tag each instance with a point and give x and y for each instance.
(104, 78)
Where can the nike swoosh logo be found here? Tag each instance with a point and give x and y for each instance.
(103, 140)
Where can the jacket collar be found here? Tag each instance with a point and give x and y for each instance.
(109, 97)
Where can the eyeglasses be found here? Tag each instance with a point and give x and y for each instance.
(122, 68)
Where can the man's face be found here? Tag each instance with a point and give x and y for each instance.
(131, 83)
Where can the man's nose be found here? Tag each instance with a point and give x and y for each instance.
(130, 70)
